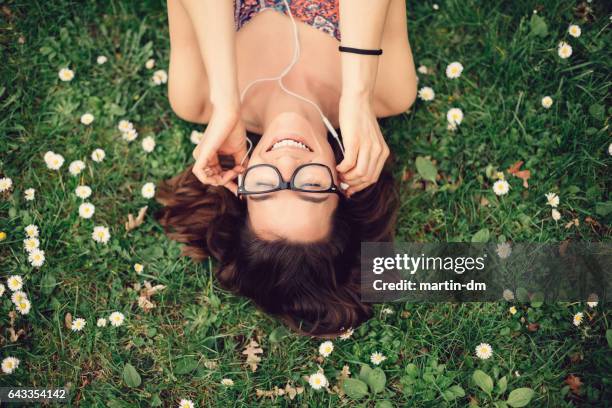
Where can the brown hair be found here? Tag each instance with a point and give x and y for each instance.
(313, 287)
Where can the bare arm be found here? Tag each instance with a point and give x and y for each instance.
(361, 25)
(213, 22)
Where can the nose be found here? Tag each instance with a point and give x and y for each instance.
(287, 163)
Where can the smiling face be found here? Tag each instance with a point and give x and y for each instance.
(289, 142)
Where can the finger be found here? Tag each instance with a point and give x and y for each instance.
(231, 186)
(228, 176)
(350, 159)
(358, 188)
(361, 168)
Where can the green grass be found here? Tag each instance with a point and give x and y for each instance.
(508, 69)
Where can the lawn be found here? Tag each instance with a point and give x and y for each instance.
(181, 341)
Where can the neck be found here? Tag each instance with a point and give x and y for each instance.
(269, 100)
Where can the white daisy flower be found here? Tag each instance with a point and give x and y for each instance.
(78, 324)
(87, 118)
(564, 50)
(83, 192)
(125, 125)
(347, 334)
(2, 289)
(484, 351)
(130, 135)
(100, 234)
(185, 403)
(148, 144)
(18, 297)
(138, 267)
(98, 155)
(574, 30)
(508, 295)
(387, 311)
(547, 102)
(87, 210)
(148, 190)
(30, 244)
(578, 318)
(610, 149)
(9, 365)
(14, 282)
(23, 307)
(454, 116)
(37, 257)
(435, 6)
(101, 59)
(101, 322)
(228, 382)
(116, 318)
(512, 310)
(150, 63)
(427, 94)
(503, 250)
(422, 69)
(317, 381)
(592, 300)
(196, 137)
(552, 199)
(66, 74)
(501, 187)
(31, 231)
(376, 358)
(5, 184)
(53, 160)
(555, 214)
(160, 77)
(454, 70)
(326, 348)
(29, 194)
(76, 167)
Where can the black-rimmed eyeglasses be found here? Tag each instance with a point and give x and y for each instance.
(307, 178)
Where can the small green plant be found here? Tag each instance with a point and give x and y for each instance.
(519, 397)
(369, 383)
(431, 382)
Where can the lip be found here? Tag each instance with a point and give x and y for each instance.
(297, 138)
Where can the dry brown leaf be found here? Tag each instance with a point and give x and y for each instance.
(522, 174)
(68, 320)
(251, 351)
(132, 222)
(574, 382)
(15, 336)
(533, 327)
(483, 201)
(144, 300)
(575, 222)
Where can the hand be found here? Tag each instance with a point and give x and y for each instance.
(365, 147)
(225, 134)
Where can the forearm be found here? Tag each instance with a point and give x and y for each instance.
(213, 22)
(361, 26)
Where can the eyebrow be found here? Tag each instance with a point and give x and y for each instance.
(305, 197)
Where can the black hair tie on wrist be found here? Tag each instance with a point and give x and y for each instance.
(359, 51)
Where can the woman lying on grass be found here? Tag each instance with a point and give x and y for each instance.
(287, 225)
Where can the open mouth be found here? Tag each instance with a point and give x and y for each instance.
(289, 143)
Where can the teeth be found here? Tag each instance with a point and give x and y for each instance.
(289, 143)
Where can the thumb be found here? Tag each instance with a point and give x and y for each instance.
(349, 161)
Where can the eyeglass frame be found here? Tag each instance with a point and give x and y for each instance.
(287, 185)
